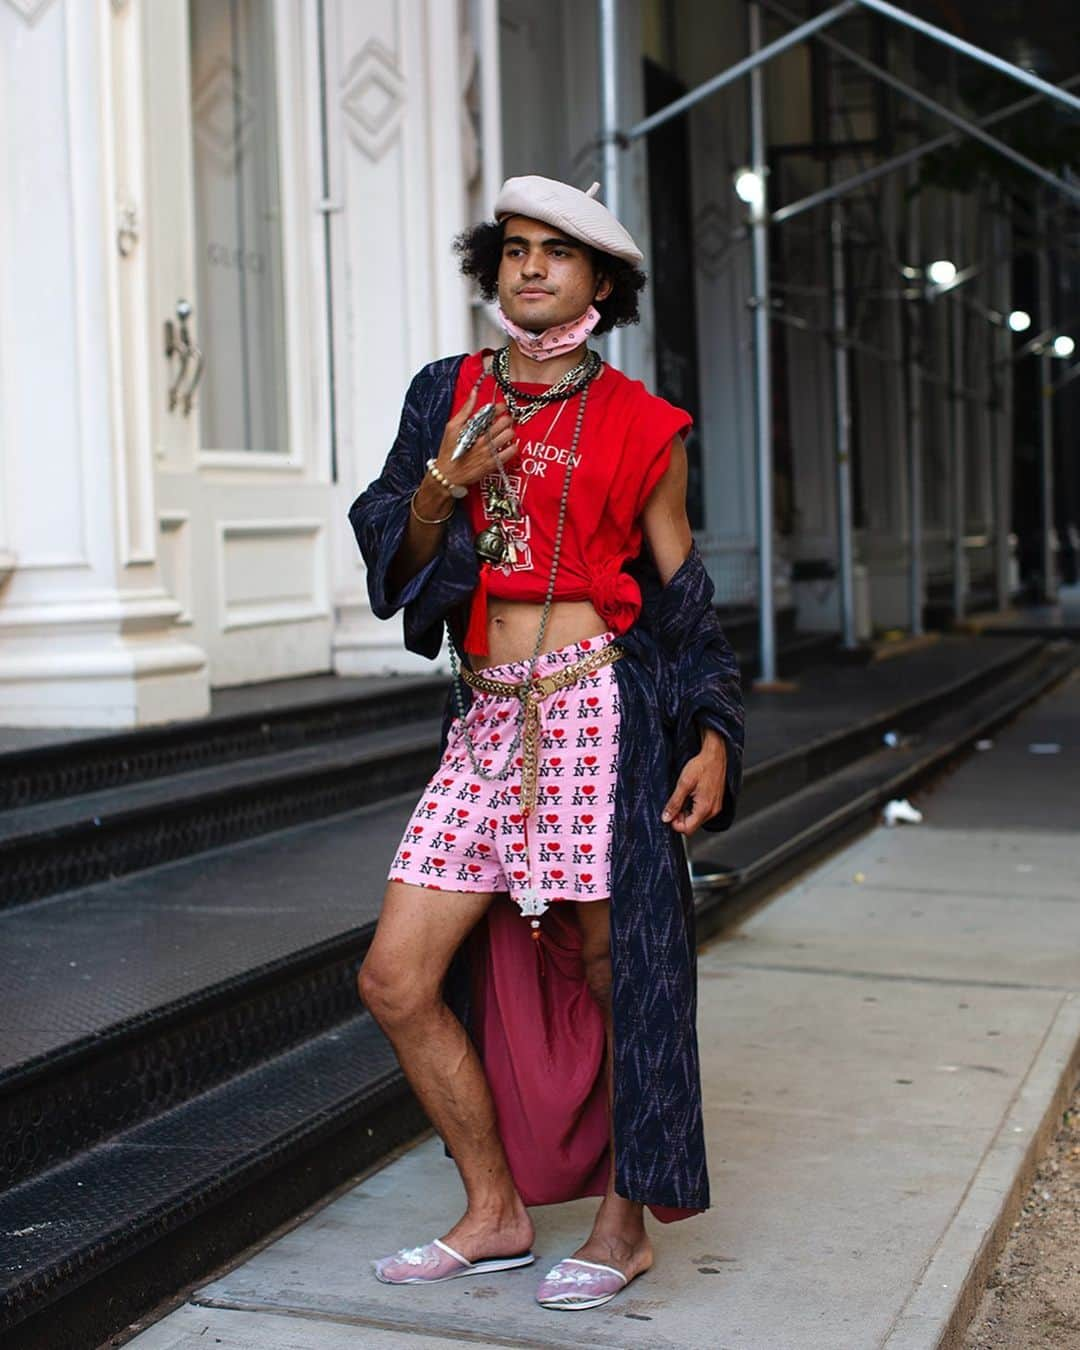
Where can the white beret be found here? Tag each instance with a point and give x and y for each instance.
(568, 208)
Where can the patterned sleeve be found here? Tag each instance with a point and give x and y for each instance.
(380, 517)
(704, 684)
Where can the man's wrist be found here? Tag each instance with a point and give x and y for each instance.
(711, 740)
(431, 499)
(456, 490)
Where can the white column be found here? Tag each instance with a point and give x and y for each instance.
(87, 635)
(394, 115)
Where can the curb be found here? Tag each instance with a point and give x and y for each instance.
(940, 1307)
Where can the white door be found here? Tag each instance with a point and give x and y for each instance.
(235, 237)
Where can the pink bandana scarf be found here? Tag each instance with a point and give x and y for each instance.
(555, 341)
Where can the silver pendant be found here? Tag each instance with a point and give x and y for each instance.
(531, 903)
(490, 545)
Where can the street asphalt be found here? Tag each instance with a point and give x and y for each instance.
(886, 1049)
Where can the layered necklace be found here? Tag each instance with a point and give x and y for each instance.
(496, 544)
(522, 406)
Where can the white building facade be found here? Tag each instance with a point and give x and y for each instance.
(221, 264)
(225, 248)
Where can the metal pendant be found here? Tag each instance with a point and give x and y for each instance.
(490, 545)
(501, 502)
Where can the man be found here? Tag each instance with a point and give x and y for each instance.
(524, 538)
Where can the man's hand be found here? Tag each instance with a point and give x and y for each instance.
(492, 447)
(701, 783)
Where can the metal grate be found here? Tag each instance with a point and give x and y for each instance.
(91, 764)
(76, 1106)
(46, 866)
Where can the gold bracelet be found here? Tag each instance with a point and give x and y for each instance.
(423, 519)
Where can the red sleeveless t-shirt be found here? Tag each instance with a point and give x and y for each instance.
(623, 451)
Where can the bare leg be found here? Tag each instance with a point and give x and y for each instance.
(401, 984)
(618, 1237)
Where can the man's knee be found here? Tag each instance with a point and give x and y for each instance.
(394, 997)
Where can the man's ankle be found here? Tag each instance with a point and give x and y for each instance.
(497, 1209)
(623, 1221)
(619, 1205)
(633, 1235)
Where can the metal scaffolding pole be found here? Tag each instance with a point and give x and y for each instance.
(963, 124)
(750, 63)
(916, 334)
(882, 354)
(976, 53)
(607, 15)
(613, 141)
(1000, 438)
(842, 422)
(1044, 336)
(1005, 487)
(1009, 422)
(957, 316)
(1000, 528)
(982, 356)
(916, 152)
(1046, 416)
(759, 239)
(891, 253)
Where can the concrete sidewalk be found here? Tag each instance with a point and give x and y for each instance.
(886, 1048)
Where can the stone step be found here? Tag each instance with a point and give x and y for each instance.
(86, 1247)
(76, 841)
(39, 765)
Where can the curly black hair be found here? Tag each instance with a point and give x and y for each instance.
(480, 249)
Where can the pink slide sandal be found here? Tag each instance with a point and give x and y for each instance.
(577, 1284)
(435, 1262)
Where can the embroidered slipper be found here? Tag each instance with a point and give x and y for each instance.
(435, 1262)
(588, 1287)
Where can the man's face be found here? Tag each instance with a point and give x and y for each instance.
(545, 277)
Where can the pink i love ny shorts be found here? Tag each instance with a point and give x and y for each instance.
(468, 834)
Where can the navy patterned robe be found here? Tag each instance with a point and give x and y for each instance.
(682, 675)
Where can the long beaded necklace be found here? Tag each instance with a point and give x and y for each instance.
(455, 657)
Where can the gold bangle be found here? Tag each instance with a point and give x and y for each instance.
(423, 519)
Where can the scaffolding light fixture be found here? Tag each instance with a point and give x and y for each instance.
(1019, 320)
(1063, 345)
(750, 187)
(941, 271)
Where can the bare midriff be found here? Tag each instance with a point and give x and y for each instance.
(513, 625)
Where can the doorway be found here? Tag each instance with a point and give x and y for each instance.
(238, 295)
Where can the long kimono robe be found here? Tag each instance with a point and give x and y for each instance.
(679, 675)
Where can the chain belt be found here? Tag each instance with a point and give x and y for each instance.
(531, 695)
